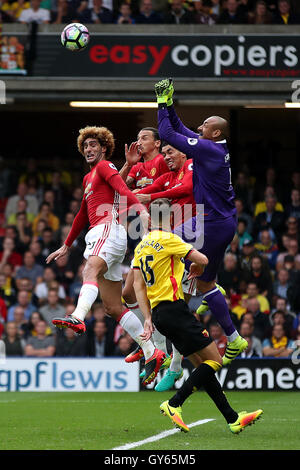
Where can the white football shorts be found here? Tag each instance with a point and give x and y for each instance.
(109, 242)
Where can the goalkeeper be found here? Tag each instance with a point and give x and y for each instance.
(213, 189)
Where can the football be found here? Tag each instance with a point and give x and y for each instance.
(75, 37)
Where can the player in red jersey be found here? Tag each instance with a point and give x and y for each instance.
(103, 202)
(177, 185)
(136, 173)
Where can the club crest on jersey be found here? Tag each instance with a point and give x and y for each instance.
(227, 157)
(192, 141)
(180, 176)
(153, 171)
(93, 174)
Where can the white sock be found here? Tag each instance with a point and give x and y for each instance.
(134, 327)
(175, 365)
(232, 337)
(158, 339)
(88, 295)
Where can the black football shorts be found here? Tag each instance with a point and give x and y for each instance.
(175, 321)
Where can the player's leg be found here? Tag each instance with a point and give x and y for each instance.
(110, 292)
(129, 297)
(219, 308)
(204, 376)
(94, 268)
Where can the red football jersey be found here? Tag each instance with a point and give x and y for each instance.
(106, 197)
(145, 173)
(177, 186)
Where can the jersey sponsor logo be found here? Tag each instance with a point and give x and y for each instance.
(112, 166)
(144, 182)
(192, 141)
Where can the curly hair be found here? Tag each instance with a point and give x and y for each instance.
(102, 134)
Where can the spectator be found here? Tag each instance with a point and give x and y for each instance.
(35, 14)
(241, 214)
(229, 275)
(260, 274)
(125, 346)
(42, 289)
(52, 308)
(30, 269)
(9, 254)
(254, 348)
(30, 327)
(24, 229)
(248, 251)
(35, 249)
(242, 233)
(98, 346)
(267, 248)
(48, 242)
(65, 13)
(271, 219)
(284, 14)
(260, 15)
(261, 206)
(261, 320)
(5, 177)
(293, 208)
(285, 319)
(23, 300)
(76, 285)
(178, 14)
(68, 344)
(292, 228)
(203, 13)
(217, 334)
(22, 206)
(243, 191)
(41, 345)
(292, 251)
(46, 215)
(97, 15)
(7, 286)
(24, 283)
(281, 284)
(14, 344)
(232, 14)
(125, 14)
(279, 345)
(252, 292)
(146, 14)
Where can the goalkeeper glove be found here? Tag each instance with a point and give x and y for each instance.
(164, 91)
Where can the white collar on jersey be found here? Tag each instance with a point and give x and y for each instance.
(221, 141)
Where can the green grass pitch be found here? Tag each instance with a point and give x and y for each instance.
(103, 421)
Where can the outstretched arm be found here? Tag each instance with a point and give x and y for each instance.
(178, 126)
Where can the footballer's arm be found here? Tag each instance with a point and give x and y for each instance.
(143, 302)
(199, 261)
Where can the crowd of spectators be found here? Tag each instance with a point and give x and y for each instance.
(151, 11)
(260, 272)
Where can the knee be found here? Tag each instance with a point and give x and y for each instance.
(128, 294)
(113, 310)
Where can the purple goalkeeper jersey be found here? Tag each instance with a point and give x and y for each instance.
(211, 165)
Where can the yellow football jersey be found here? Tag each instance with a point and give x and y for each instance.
(159, 257)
